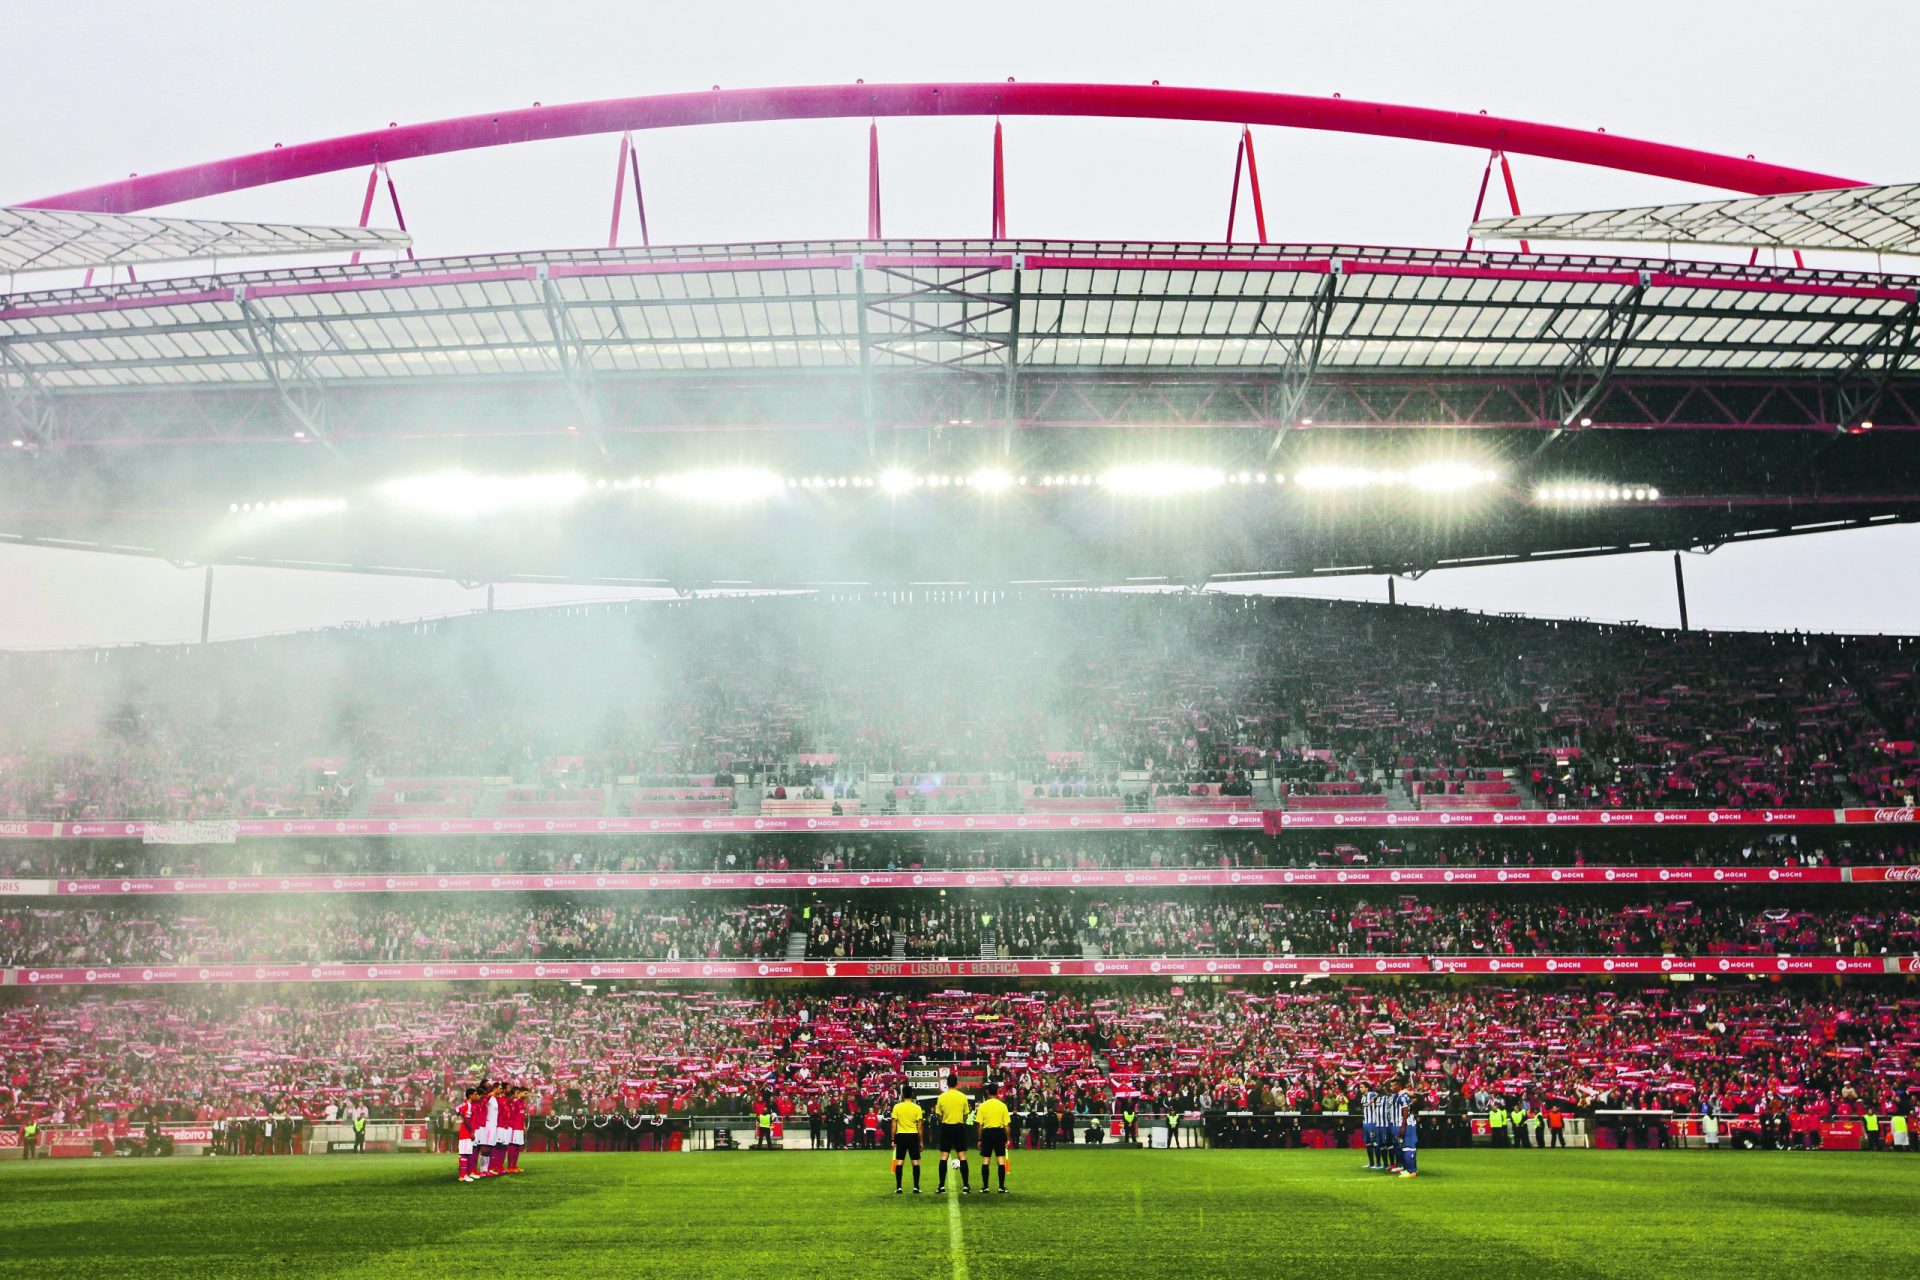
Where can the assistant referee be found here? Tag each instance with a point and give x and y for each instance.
(907, 1119)
(994, 1123)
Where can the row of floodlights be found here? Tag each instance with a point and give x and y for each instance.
(1588, 494)
(290, 507)
(456, 493)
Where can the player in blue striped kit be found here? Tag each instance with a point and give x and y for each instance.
(1369, 1125)
(1392, 1111)
(1406, 1117)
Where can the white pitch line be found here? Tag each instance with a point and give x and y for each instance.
(956, 1243)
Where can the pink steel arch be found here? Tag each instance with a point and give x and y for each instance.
(861, 101)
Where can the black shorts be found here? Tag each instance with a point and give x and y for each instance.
(906, 1146)
(956, 1137)
(993, 1142)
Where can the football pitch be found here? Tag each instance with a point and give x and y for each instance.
(1126, 1213)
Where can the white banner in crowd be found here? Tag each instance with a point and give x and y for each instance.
(190, 833)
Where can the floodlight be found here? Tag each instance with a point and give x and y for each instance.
(725, 484)
(289, 508)
(293, 508)
(1162, 479)
(1592, 493)
(458, 494)
(990, 480)
(1333, 477)
(1448, 477)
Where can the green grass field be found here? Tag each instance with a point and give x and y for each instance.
(1134, 1214)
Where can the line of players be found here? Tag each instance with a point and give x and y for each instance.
(493, 1129)
(958, 1125)
(1390, 1122)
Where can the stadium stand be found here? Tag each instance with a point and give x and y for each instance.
(1175, 703)
(1746, 1050)
(1040, 924)
(1121, 707)
(1866, 845)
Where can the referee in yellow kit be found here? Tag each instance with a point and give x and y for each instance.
(994, 1122)
(950, 1111)
(907, 1118)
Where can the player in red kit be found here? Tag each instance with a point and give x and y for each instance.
(466, 1111)
(503, 1138)
(517, 1126)
(480, 1138)
(492, 1129)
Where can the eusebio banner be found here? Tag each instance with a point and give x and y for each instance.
(1251, 877)
(1165, 967)
(1272, 820)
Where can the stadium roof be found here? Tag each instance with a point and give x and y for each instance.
(932, 308)
(1757, 401)
(52, 239)
(1865, 219)
(1740, 401)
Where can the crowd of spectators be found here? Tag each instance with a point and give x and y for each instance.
(1746, 1049)
(1890, 844)
(376, 930)
(1562, 923)
(1049, 692)
(1041, 925)
(943, 929)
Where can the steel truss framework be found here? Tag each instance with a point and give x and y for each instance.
(1039, 402)
(51, 240)
(911, 334)
(1863, 219)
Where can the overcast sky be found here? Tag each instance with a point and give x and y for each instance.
(93, 91)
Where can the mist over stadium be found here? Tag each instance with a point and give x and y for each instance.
(649, 681)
